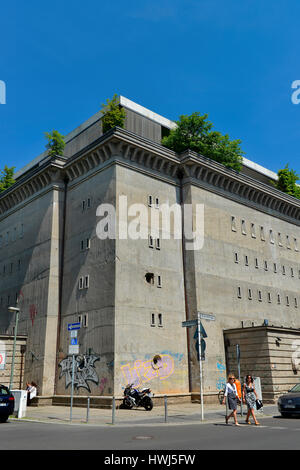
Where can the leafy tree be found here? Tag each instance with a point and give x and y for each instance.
(195, 132)
(6, 178)
(114, 114)
(286, 182)
(56, 143)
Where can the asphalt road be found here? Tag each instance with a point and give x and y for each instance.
(274, 433)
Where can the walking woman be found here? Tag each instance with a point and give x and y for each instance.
(250, 397)
(233, 398)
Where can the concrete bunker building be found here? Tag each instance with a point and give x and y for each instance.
(131, 296)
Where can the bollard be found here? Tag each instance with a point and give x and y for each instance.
(113, 410)
(166, 408)
(88, 410)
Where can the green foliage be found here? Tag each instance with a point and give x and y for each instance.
(114, 114)
(195, 133)
(56, 143)
(286, 182)
(6, 178)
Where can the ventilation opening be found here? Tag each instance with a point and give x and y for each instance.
(156, 362)
(149, 278)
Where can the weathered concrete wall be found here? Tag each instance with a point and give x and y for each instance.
(136, 341)
(269, 353)
(284, 351)
(95, 303)
(30, 257)
(214, 275)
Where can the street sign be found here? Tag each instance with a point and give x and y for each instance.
(74, 326)
(189, 323)
(73, 333)
(74, 341)
(73, 349)
(207, 316)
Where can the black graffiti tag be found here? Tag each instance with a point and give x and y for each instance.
(84, 371)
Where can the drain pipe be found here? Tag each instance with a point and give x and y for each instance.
(61, 275)
(180, 177)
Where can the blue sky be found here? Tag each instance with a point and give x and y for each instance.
(235, 60)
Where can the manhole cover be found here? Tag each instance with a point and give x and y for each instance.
(143, 437)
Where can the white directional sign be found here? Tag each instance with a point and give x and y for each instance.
(206, 316)
(74, 326)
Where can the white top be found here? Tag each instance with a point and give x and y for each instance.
(230, 388)
(32, 390)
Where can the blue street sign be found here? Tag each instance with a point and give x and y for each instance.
(74, 326)
(74, 341)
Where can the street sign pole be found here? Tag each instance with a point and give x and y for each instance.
(189, 324)
(238, 355)
(73, 349)
(200, 367)
(72, 386)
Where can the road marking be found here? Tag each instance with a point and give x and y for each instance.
(276, 427)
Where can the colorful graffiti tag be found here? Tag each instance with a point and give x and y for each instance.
(84, 370)
(221, 379)
(161, 367)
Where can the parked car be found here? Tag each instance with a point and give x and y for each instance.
(7, 403)
(289, 404)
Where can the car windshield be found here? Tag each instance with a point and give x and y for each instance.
(296, 389)
(3, 390)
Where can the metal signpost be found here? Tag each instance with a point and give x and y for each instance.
(200, 365)
(238, 355)
(189, 324)
(73, 349)
(17, 312)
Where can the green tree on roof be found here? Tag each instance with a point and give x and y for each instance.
(56, 143)
(287, 182)
(194, 132)
(113, 114)
(6, 178)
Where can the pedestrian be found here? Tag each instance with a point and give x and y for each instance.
(31, 392)
(250, 397)
(232, 395)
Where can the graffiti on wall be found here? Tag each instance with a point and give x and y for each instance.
(221, 379)
(161, 367)
(84, 370)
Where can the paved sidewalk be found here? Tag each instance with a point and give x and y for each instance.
(177, 414)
